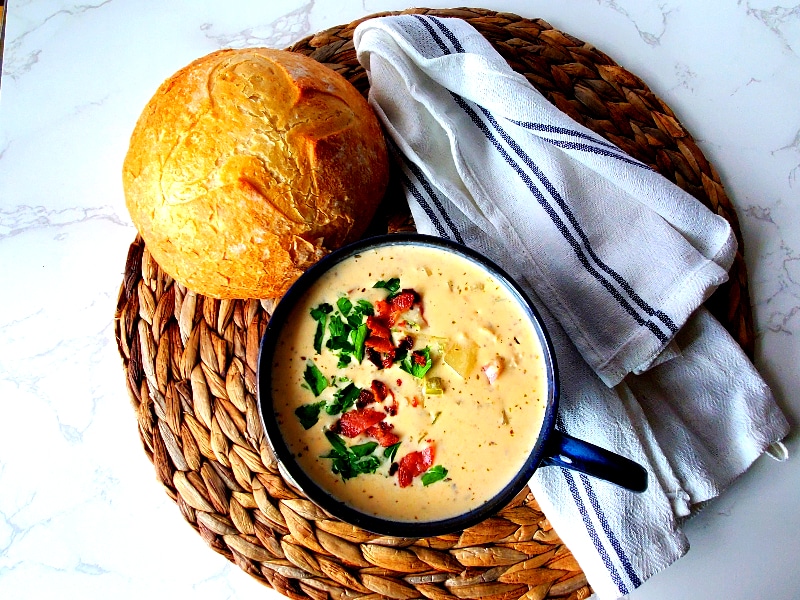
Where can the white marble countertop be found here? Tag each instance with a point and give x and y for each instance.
(81, 513)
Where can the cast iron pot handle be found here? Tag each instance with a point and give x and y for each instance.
(571, 453)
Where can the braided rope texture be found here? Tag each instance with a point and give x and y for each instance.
(191, 362)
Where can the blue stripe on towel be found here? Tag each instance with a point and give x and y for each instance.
(434, 196)
(607, 149)
(424, 205)
(543, 127)
(449, 34)
(439, 41)
(414, 191)
(409, 185)
(593, 150)
(534, 126)
(623, 557)
(590, 529)
(418, 196)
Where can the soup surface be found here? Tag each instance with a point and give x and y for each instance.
(409, 383)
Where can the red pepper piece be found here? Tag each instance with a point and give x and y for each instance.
(419, 358)
(414, 464)
(379, 344)
(382, 432)
(377, 328)
(358, 421)
(380, 390)
(365, 397)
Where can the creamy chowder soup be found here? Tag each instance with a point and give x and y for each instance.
(409, 383)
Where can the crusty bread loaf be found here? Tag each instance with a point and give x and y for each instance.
(247, 166)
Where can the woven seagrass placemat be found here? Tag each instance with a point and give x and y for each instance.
(190, 363)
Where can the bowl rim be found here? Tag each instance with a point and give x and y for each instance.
(316, 493)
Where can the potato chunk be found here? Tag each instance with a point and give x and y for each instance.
(461, 357)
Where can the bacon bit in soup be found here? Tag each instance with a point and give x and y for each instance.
(404, 300)
(380, 352)
(381, 361)
(380, 389)
(380, 345)
(374, 358)
(407, 310)
(389, 311)
(414, 464)
(383, 310)
(365, 397)
(380, 348)
(377, 328)
(358, 421)
(382, 432)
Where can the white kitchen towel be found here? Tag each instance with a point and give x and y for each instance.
(617, 259)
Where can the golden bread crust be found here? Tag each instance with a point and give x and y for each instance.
(247, 166)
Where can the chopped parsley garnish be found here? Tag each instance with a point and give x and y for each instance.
(309, 414)
(392, 286)
(362, 450)
(434, 474)
(320, 315)
(365, 307)
(339, 341)
(343, 399)
(359, 338)
(344, 305)
(346, 328)
(361, 309)
(391, 451)
(320, 312)
(342, 328)
(353, 461)
(314, 378)
(417, 362)
(338, 330)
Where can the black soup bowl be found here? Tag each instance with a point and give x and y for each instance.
(550, 448)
